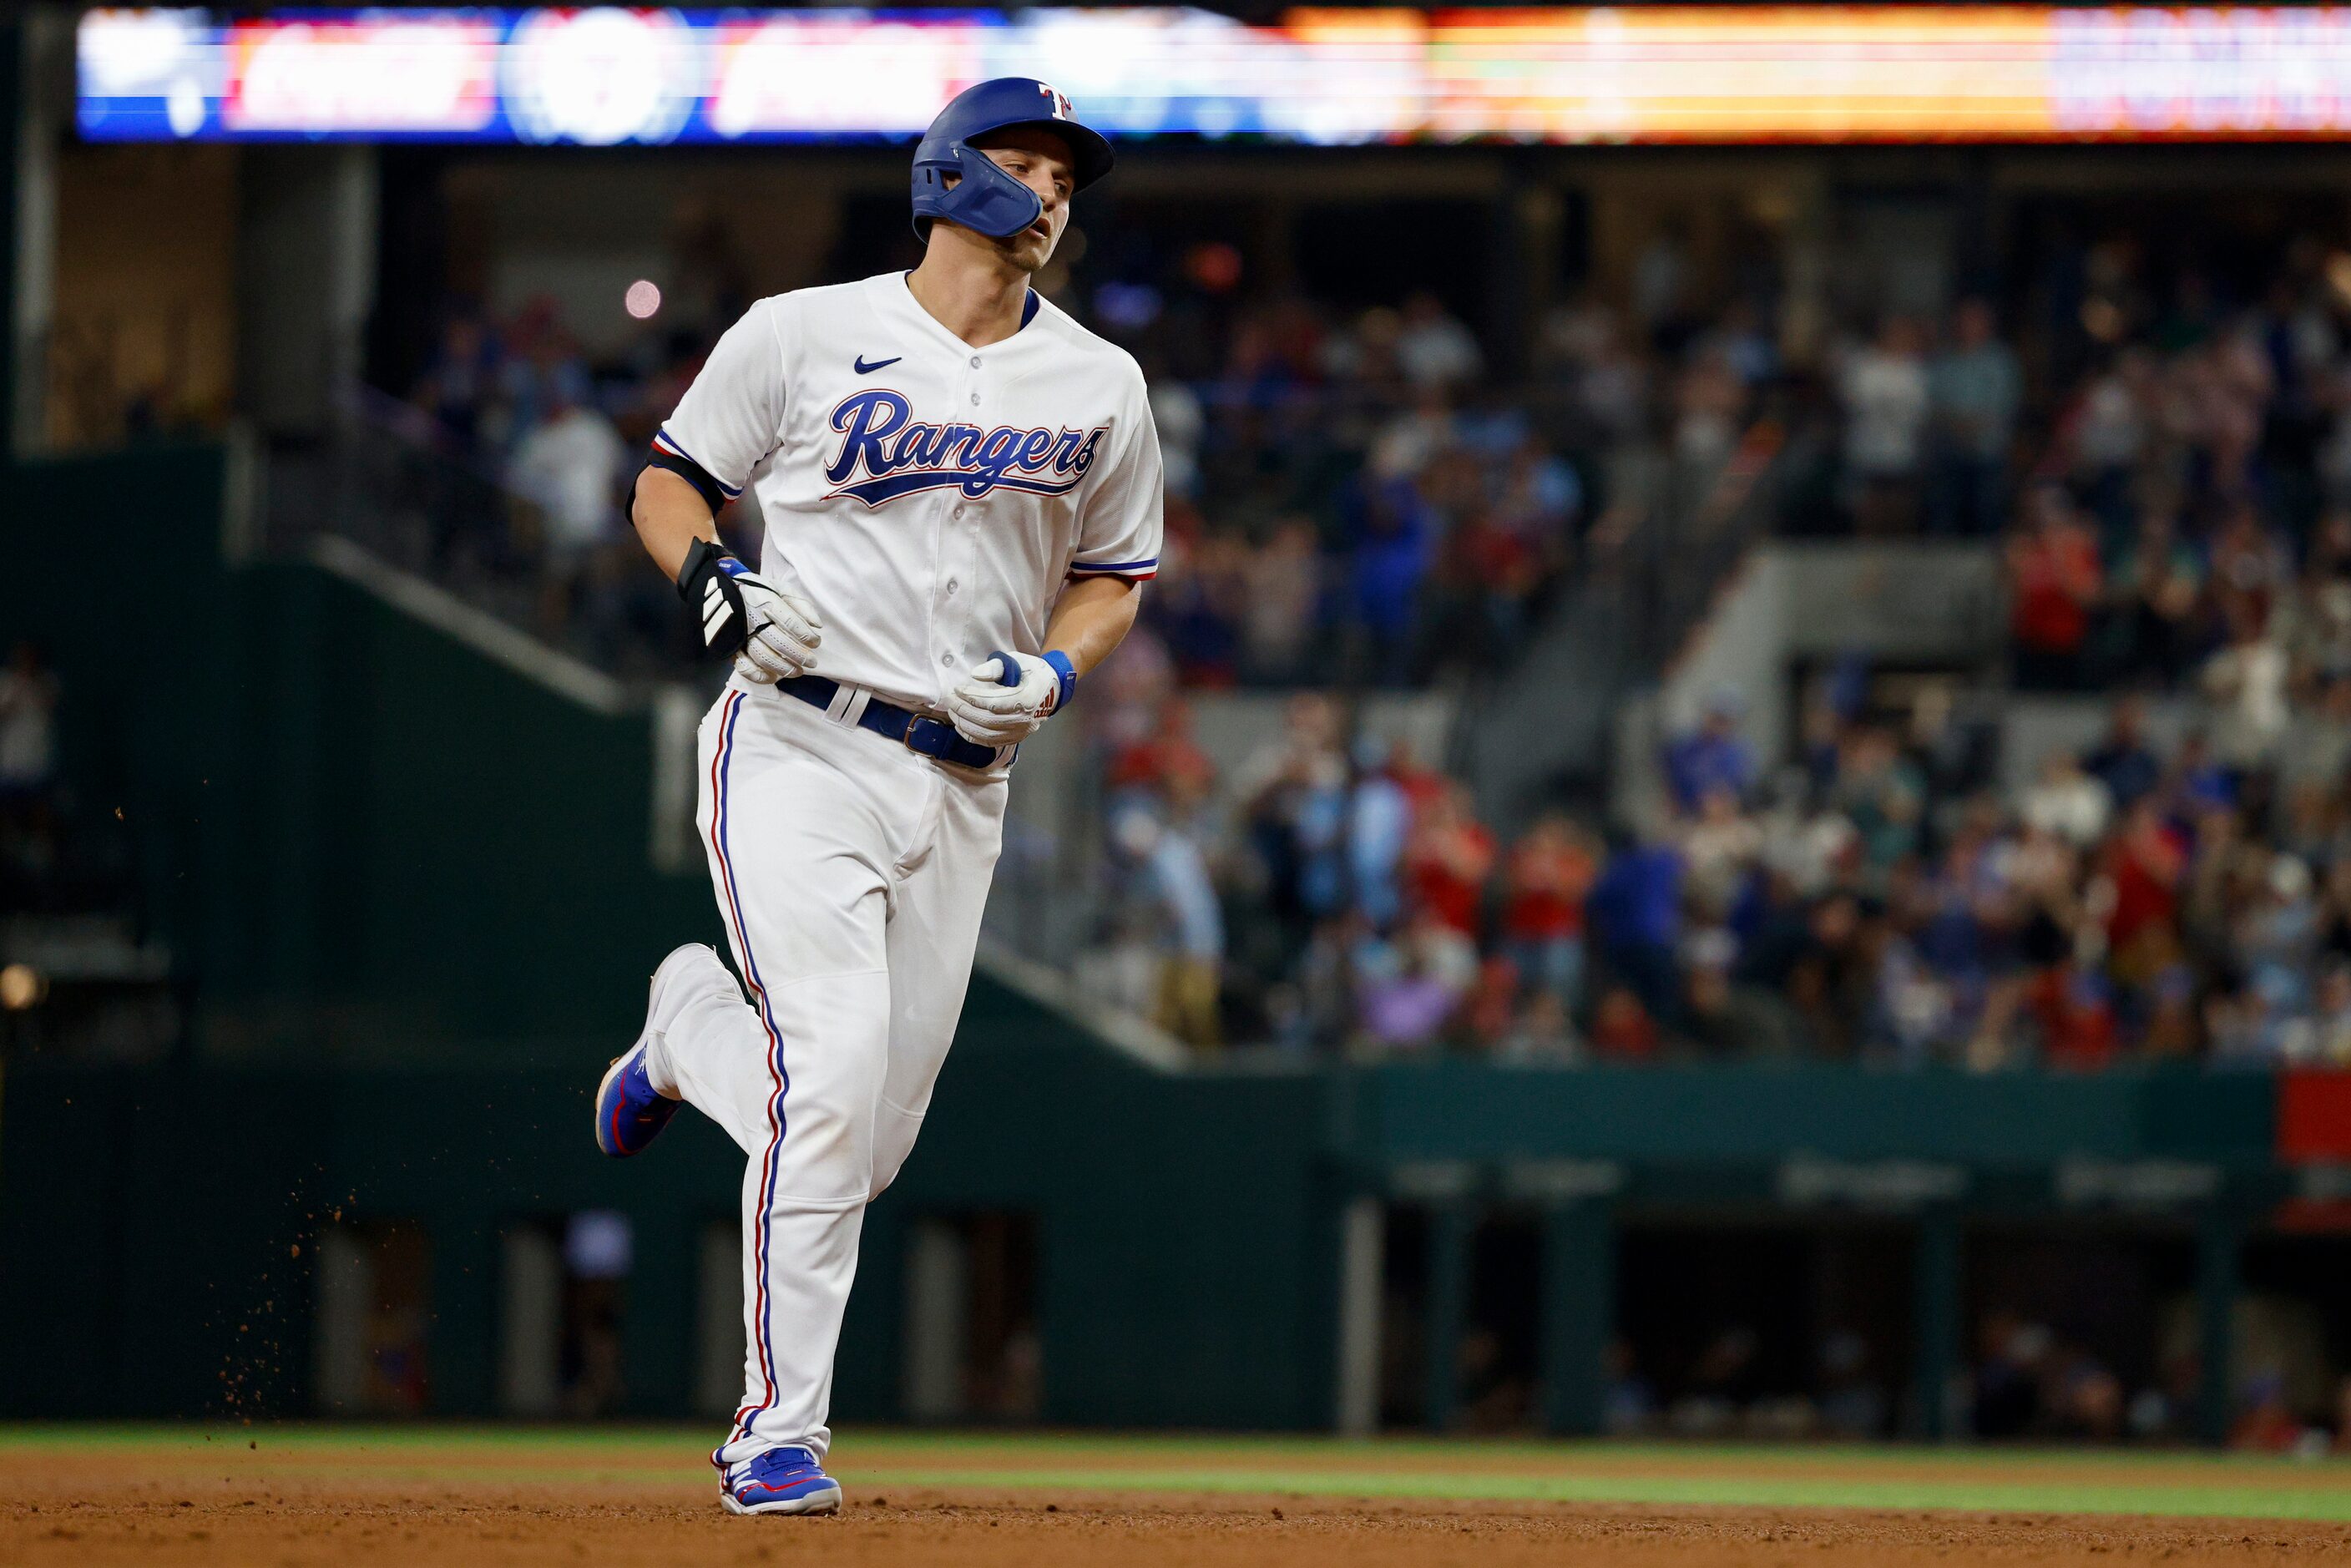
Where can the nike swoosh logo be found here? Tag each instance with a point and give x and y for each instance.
(865, 369)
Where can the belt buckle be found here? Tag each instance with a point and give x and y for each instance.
(939, 734)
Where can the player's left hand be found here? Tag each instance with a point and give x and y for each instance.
(1005, 698)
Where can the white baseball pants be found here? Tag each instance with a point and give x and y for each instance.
(852, 873)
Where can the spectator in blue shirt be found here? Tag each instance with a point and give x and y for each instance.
(2123, 762)
(1390, 559)
(1379, 821)
(1635, 915)
(1712, 756)
(1976, 391)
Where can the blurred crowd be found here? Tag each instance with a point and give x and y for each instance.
(1355, 501)
(1358, 496)
(1879, 898)
(1331, 895)
(2179, 541)
(1884, 897)
(535, 445)
(2187, 531)
(2189, 523)
(1354, 496)
(1929, 425)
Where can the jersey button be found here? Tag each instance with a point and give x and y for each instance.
(947, 658)
(975, 400)
(975, 361)
(951, 586)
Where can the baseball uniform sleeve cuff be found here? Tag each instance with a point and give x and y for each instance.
(1134, 570)
(667, 454)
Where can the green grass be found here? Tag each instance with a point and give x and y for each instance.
(2073, 1480)
(1564, 1485)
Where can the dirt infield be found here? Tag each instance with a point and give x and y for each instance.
(349, 1499)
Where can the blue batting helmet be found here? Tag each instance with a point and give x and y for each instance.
(986, 198)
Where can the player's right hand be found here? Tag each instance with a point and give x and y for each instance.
(784, 633)
(773, 636)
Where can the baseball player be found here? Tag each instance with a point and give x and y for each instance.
(961, 488)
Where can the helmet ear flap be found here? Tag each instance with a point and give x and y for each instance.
(986, 199)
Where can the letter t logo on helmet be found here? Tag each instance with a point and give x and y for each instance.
(984, 198)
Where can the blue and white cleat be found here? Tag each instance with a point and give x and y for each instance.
(629, 1112)
(781, 1480)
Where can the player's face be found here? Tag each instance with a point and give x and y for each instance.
(1040, 161)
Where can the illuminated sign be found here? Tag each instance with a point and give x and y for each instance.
(435, 74)
(604, 76)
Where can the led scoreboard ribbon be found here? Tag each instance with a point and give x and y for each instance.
(606, 76)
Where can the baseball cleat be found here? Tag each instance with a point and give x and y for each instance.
(629, 1112)
(781, 1480)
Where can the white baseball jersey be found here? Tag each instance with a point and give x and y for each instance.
(928, 497)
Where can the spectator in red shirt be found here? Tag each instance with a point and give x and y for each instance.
(2054, 578)
(2078, 1030)
(1622, 1028)
(2144, 863)
(1165, 758)
(1550, 870)
(1497, 567)
(1422, 785)
(1492, 1006)
(1495, 558)
(1448, 860)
